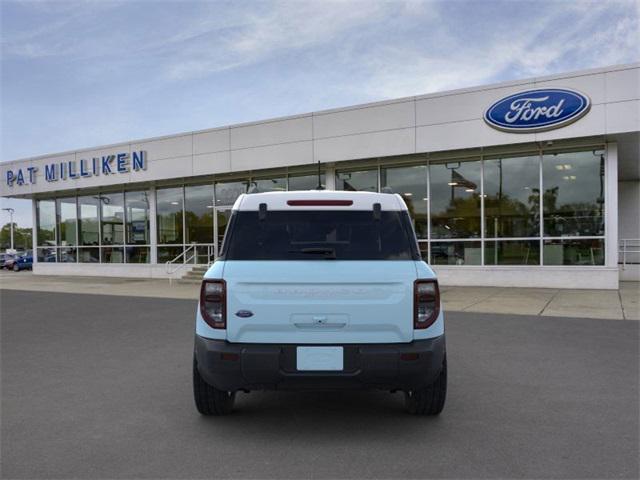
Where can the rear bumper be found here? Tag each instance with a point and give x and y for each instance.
(249, 366)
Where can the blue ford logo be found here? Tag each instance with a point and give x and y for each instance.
(244, 313)
(537, 110)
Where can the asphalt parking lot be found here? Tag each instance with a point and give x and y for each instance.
(98, 386)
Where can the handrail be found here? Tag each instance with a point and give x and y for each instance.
(189, 256)
(185, 261)
(625, 246)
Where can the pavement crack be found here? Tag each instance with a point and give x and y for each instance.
(624, 316)
(493, 294)
(550, 300)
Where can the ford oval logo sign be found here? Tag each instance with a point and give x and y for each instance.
(537, 110)
(244, 313)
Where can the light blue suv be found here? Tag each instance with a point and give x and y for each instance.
(319, 290)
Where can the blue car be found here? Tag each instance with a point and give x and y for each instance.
(23, 262)
(320, 290)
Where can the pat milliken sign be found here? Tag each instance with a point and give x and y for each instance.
(117, 163)
(537, 110)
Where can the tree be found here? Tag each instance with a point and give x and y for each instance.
(21, 237)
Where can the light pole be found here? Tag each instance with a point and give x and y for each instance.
(11, 212)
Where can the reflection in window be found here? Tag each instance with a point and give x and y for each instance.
(168, 253)
(456, 253)
(364, 180)
(169, 207)
(573, 198)
(88, 221)
(137, 218)
(513, 252)
(574, 252)
(137, 254)
(411, 184)
(46, 217)
(47, 254)
(67, 254)
(455, 200)
(67, 212)
(112, 255)
(112, 205)
(512, 197)
(198, 213)
(305, 182)
(259, 185)
(227, 193)
(89, 255)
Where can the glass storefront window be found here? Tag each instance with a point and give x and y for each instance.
(112, 255)
(456, 253)
(46, 218)
(137, 254)
(573, 252)
(47, 254)
(67, 221)
(112, 218)
(198, 213)
(573, 198)
(411, 184)
(67, 255)
(455, 200)
(306, 182)
(166, 254)
(169, 208)
(512, 197)
(363, 180)
(89, 255)
(259, 185)
(227, 193)
(137, 218)
(88, 227)
(512, 252)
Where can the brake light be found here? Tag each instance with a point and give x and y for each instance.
(426, 303)
(213, 303)
(319, 203)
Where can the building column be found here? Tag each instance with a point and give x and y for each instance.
(330, 176)
(153, 218)
(34, 230)
(611, 205)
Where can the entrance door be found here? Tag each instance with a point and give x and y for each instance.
(221, 220)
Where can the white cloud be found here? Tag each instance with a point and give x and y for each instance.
(534, 47)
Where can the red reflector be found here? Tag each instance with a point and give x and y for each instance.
(409, 356)
(230, 356)
(319, 203)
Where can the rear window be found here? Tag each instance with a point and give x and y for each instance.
(320, 235)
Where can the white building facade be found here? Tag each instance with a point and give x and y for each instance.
(531, 183)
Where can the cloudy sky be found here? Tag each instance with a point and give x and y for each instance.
(80, 74)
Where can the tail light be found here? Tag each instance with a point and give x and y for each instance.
(213, 303)
(426, 303)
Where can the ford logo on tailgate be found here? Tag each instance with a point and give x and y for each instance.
(537, 110)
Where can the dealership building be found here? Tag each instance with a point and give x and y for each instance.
(529, 183)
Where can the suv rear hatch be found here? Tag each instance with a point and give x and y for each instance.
(320, 277)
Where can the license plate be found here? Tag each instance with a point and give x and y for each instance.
(320, 358)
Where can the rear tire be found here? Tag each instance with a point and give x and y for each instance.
(16, 268)
(210, 400)
(429, 400)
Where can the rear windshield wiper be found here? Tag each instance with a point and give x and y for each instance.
(329, 253)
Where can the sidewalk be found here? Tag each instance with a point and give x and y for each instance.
(623, 304)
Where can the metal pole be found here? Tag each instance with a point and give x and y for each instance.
(11, 211)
